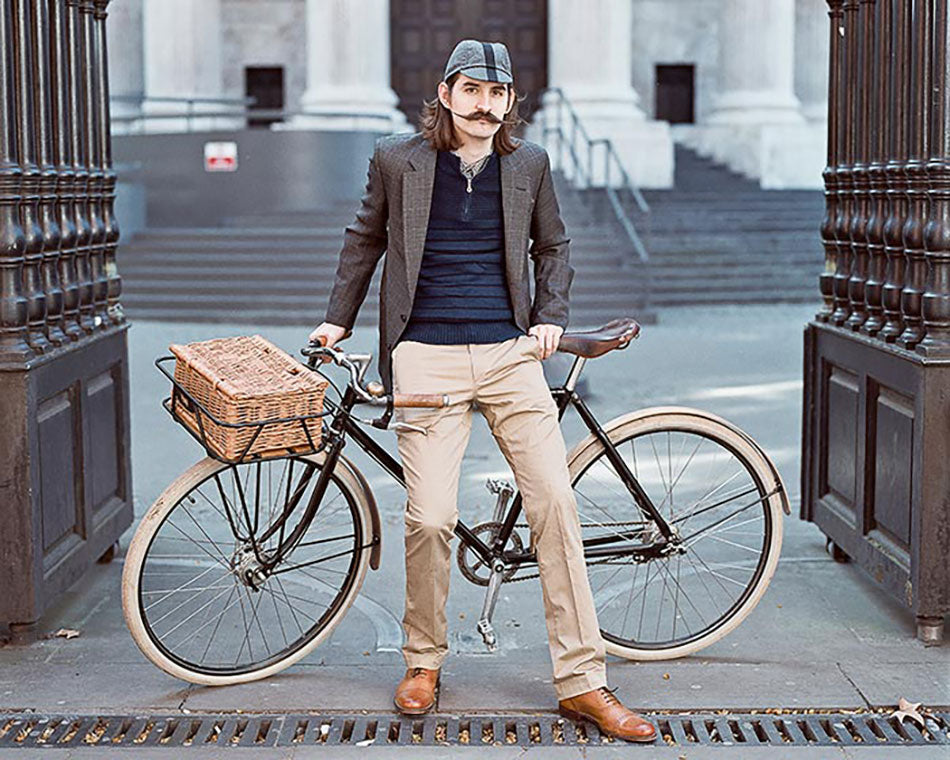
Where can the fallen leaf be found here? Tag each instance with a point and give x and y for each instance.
(910, 710)
(65, 633)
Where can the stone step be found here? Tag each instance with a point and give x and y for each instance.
(306, 319)
(214, 292)
(215, 234)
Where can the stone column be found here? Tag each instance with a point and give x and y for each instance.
(590, 57)
(124, 38)
(756, 64)
(348, 80)
(811, 58)
(182, 60)
(756, 126)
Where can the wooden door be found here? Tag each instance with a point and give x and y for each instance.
(423, 33)
(675, 93)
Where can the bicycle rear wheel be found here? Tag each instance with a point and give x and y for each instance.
(193, 595)
(717, 491)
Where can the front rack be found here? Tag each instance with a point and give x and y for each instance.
(182, 399)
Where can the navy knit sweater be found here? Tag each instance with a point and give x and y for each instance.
(462, 292)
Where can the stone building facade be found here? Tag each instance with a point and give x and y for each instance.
(743, 81)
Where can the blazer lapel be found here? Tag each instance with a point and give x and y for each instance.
(515, 202)
(417, 184)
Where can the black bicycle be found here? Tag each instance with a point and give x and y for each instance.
(241, 568)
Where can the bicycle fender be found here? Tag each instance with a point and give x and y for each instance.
(357, 477)
(655, 411)
(374, 515)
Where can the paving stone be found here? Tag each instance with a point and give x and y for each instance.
(307, 688)
(819, 624)
(884, 683)
(102, 687)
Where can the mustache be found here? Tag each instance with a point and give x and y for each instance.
(482, 116)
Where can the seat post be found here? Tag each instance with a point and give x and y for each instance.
(575, 374)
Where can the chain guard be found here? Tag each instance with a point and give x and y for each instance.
(471, 565)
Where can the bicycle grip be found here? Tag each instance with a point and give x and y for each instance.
(432, 400)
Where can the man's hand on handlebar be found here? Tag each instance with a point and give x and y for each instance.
(328, 334)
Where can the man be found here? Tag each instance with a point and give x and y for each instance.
(454, 208)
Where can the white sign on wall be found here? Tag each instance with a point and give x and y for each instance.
(220, 156)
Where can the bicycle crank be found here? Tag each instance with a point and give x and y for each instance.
(473, 567)
(484, 625)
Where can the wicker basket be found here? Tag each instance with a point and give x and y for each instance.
(247, 381)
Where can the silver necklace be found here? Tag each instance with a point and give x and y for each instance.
(470, 170)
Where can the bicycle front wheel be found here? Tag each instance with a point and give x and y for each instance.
(193, 595)
(721, 497)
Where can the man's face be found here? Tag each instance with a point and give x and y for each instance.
(482, 105)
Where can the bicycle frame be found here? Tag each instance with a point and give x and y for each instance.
(343, 426)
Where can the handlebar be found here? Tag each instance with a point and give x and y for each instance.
(373, 392)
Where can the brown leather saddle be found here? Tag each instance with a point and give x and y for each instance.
(592, 343)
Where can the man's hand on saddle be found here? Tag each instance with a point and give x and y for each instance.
(548, 336)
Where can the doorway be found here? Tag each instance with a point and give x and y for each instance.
(423, 33)
(266, 85)
(675, 93)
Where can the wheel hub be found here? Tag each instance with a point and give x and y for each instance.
(248, 569)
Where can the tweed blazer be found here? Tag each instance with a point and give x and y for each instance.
(393, 218)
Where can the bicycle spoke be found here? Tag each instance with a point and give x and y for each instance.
(209, 602)
(722, 520)
(317, 561)
(197, 609)
(198, 525)
(714, 537)
(701, 486)
(182, 588)
(284, 598)
(293, 611)
(623, 625)
(247, 630)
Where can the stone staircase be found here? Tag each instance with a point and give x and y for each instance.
(277, 269)
(716, 238)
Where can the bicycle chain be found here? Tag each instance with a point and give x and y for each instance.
(607, 561)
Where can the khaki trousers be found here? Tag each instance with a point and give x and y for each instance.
(507, 383)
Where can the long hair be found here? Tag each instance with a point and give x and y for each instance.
(437, 127)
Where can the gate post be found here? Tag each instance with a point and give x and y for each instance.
(876, 436)
(65, 475)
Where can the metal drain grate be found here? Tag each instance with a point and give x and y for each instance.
(680, 729)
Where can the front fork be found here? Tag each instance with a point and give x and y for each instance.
(504, 492)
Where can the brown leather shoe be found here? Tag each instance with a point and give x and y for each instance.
(415, 694)
(601, 707)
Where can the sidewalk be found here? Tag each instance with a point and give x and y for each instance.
(822, 637)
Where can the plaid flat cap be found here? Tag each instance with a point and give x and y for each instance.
(485, 61)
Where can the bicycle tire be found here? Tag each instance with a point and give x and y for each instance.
(344, 477)
(761, 472)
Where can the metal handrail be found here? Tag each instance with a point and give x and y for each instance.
(586, 173)
(250, 100)
(245, 104)
(246, 111)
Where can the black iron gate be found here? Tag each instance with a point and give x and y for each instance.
(876, 434)
(65, 490)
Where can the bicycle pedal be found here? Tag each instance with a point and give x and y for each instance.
(488, 635)
(496, 485)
